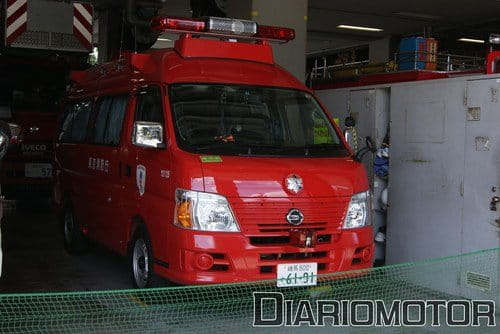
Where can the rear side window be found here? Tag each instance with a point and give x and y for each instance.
(75, 122)
(109, 121)
(149, 106)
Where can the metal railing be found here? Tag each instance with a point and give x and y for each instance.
(321, 71)
(444, 62)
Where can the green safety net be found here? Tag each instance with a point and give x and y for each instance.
(229, 308)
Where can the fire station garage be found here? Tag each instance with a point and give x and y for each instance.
(185, 166)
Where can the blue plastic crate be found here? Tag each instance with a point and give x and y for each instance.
(412, 53)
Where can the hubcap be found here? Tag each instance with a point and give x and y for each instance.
(140, 263)
(68, 227)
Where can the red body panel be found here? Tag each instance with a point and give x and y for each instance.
(109, 206)
(493, 62)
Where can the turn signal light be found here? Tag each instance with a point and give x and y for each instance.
(184, 214)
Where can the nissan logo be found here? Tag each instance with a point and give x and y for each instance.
(295, 217)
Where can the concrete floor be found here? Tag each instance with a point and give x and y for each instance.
(35, 260)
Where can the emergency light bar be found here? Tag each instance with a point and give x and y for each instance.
(222, 27)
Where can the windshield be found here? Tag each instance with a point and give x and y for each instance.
(247, 120)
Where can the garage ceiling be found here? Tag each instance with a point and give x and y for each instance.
(448, 18)
(396, 17)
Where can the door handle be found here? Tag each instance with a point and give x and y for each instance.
(128, 170)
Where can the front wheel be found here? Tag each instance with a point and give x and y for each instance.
(74, 240)
(141, 260)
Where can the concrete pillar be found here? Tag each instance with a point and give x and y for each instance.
(379, 50)
(284, 13)
(110, 24)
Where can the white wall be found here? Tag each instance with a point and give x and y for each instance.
(290, 14)
(285, 13)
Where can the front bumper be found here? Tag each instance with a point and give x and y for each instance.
(15, 184)
(13, 172)
(237, 259)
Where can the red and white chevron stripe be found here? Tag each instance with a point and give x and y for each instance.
(82, 23)
(16, 19)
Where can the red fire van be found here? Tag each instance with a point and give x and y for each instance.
(209, 163)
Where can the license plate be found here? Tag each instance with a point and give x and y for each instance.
(297, 274)
(38, 170)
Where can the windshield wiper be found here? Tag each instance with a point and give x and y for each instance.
(305, 149)
(221, 146)
(274, 149)
(264, 149)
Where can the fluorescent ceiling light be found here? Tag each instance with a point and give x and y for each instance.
(494, 39)
(164, 39)
(345, 26)
(419, 15)
(471, 40)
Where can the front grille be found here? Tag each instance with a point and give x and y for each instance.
(292, 256)
(283, 240)
(258, 241)
(269, 261)
(221, 263)
(263, 221)
(260, 217)
(285, 227)
(220, 267)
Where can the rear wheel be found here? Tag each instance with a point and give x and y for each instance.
(141, 260)
(74, 240)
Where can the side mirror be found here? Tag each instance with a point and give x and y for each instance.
(16, 138)
(148, 134)
(4, 144)
(370, 147)
(5, 138)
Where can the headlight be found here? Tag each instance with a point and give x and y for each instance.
(358, 213)
(204, 212)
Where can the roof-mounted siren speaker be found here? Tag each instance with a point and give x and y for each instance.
(222, 28)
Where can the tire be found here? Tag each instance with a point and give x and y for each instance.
(75, 241)
(141, 260)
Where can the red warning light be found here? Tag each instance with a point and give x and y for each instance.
(177, 24)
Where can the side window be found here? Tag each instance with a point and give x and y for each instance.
(149, 106)
(109, 121)
(102, 108)
(75, 122)
(81, 120)
(66, 124)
